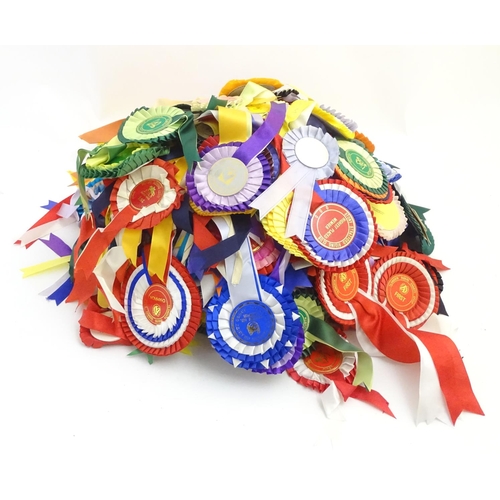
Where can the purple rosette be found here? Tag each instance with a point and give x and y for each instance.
(234, 186)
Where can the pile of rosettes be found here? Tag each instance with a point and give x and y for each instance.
(263, 220)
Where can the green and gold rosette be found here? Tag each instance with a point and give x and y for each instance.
(115, 159)
(357, 167)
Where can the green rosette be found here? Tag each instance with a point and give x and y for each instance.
(115, 159)
(161, 125)
(358, 167)
(312, 316)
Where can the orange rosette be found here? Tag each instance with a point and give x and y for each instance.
(370, 147)
(405, 286)
(151, 190)
(335, 289)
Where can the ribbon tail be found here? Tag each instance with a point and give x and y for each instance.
(373, 398)
(301, 203)
(453, 377)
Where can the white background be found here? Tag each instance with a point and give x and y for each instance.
(83, 423)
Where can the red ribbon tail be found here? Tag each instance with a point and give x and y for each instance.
(373, 398)
(384, 330)
(453, 377)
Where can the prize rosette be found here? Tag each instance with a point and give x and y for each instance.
(405, 286)
(390, 218)
(265, 254)
(221, 184)
(151, 190)
(263, 336)
(275, 225)
(340, 231)
(357, 167)
(114, 159)
(235, 87)
(332, 122)
(313, 370)
(335, 289)
(160, 319)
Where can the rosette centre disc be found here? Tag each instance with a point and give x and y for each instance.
(359, 163)
(146, 193)
(304, 318)
(157, 304)
(252, 322)
(154, 124)
(402, 292)
(324, 360)
(345, 284)
(227, 176)
(311, 152)
(333, 226)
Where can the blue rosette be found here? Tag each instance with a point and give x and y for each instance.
(341, 230)
(264, 336)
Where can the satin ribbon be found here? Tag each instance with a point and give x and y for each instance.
(387, 333)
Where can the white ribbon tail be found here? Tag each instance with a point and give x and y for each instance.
(301, 204)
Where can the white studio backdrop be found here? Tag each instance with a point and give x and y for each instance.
(81, 423)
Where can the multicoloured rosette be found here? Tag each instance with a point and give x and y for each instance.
(160, 318)
(221, 184)
(358, 167)
(265, 253)
(335, 289)
(390, 218)
(151, 190)
(340, 229)
(332, 122)
(405, 286)
(264, 336)
(416, 219)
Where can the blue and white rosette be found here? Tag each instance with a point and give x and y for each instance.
(357, 243)
(175, 323)
(263, 335)
(312, 155)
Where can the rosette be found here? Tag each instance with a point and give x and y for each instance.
(160, 125)
(260, 335)
(312, 155)
(235, 87)
(160, 319)
(265, 253)
(115, 159)
(357, 167)
(390, 218)
(350, 124)
(335, 289)
(151, 191)
(405, 286)
(341, 230)
(331, 122)
(221, 183)
(275, 225)
(312, 370)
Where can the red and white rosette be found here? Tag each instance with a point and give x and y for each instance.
(160, 319)
(312, 371)
(336, 289)
(152, 191)
(405, 286)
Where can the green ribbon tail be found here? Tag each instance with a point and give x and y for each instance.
(188, 138)
(324, 333)
(364, 371)
(215, 102)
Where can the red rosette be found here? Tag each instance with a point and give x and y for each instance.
(183, 331)
(151, 190)
(406, 287)
(307, 382)
(335, 289)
